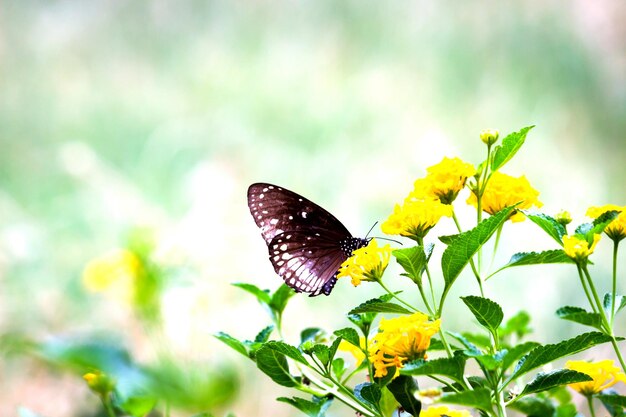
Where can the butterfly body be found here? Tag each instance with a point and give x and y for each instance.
(306, 243)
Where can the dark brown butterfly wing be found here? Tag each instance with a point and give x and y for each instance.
(306, 243)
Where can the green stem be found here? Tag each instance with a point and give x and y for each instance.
(409, 306)
(420, 241)
(618, 352)
(106, 402)
(613, 293)
(584, 285)
(592, 412)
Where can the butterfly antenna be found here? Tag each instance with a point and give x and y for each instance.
(371, 228)
(390, 240)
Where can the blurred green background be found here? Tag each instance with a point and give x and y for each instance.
(159, 114)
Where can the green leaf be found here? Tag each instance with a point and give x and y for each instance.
(339, 367)
(368, 392)
(274, 364)
(314, 334)
(462, 248)
(136, 406)
(379, 306)
(555, 256)
(580, 315)
(232, 342)
(280, 297)
(516, 352)
(534, 406)
(517, 324)
(322, 353)
(479, 398)
(287, 350)
(614, 400)
(542, 355)
(264, 334)
(620, 303)
(567, 410)
(491, 362)
(510, 145)
(471, 348)
(364, 321)
(349, 335)
(599, 224)
(549, 225)
(315, 408)
(413, 261)
(452, 368)
(403, 389)
(556, 378)
(488, 313)
(262, 295)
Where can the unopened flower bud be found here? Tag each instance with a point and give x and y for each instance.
(489, 136)
(99, 382)
(563, 217)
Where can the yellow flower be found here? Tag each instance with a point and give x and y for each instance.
(604, 373)
(489, 136)
(366, 264)
(617, 229)
(503, 191)
(445, 179)
(114, 272)
(401, 339)
(99, 382)
(356, 351)
(577, 248)
(415, 218)
(442, 411)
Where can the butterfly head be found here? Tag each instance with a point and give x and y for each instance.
(350, 244)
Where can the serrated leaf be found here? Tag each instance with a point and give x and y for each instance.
(413, 261)
(279, 299)
(479, 398)
(556, 256)
(556, 378)
(378, 306)
(316, 408)
(287, 350)
(339, 367)
(349, 335)
(534, 406)
(314, 334)
(235, 344)
(472, 350)
(364, 320)
(598, 225)
(452, 368)
(274, 364)
(333, 348)
(322, 352)
(542, 355)
(262, 295)
(580, 315)
(510, 145)
(458, 254)
(517, 324)
(549, 225)
(614, 400)
(491, 362)
(368, 392)
(488, 313)
(264, 334)
(403, 389)
(516, 352)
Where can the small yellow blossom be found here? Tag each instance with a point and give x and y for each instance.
(445, 179)
(401, 339)
(114, 272)
(617, 229)
(99, 382)
(503, 191)
(442, 411)
(604, 373)
(415, 218)
(577, 248)
(356, 351)
(563, 217)
(366, 264)
(489, 136)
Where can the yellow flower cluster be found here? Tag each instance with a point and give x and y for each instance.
(114, 272)
(399, 340)
(617, 229)
(415, 218)
(503, 191)
(366, 264)
(430, 199)
(577, 248)
(604, 373)
(442, 411)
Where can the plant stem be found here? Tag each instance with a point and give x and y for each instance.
(420, 241)
(409, 306)
(618, 352)
(471, 261)
(613, 293)
(590, 402)
(106, 402)
(584, 285)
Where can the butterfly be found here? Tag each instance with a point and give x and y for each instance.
(306, 243)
